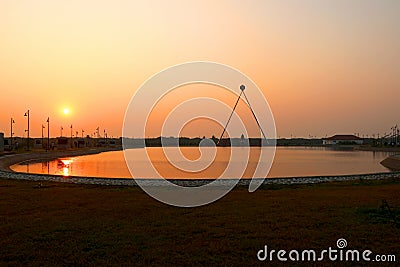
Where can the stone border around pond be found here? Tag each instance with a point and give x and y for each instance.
(197, 182)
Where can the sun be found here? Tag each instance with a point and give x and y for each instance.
(66, 111)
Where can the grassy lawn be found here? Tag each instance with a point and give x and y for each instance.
(66, 224)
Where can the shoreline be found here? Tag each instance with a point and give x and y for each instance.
(378, 149)
(130, 182)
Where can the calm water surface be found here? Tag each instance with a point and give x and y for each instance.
(288, 162)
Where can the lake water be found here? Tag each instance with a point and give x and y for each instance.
(288, 162)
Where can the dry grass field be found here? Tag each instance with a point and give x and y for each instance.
(67, 224)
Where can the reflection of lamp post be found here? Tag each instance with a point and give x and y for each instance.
(48, 134)
(27, 115)
(11, 134)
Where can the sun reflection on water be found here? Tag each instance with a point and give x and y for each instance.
(65, 164)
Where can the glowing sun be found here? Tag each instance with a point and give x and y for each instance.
(66, 111)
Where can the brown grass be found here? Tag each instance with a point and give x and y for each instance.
(66, 224)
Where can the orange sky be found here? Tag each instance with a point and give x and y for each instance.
(325, 67)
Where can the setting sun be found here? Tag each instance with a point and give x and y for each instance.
(66, 111)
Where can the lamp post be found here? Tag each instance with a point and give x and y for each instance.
(61, 130)
(105, 139)
(27, 115)
(48, 134)
(42, 135)
(71, 135)
(11, 134)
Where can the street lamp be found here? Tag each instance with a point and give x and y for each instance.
(48, 134)
(105, 138)
(11, 134)
(27, 115)
(42, 135)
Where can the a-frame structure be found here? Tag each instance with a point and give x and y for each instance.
(242, 88)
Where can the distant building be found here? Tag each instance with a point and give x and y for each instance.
(343, 139)
(37, 143)
(7, 144)
(101, 142)
(80, 143)
(62, 143)
(112, 143)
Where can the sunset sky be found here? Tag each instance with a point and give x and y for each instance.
(325, 67)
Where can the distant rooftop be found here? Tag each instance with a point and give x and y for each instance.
(344, 137)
